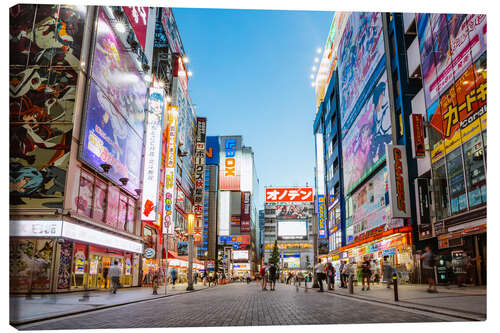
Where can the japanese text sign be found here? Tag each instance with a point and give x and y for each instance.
(291, 194)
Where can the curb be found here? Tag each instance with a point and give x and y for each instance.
(60, 315)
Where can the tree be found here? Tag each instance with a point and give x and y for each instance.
(275, 255)
(308, 263)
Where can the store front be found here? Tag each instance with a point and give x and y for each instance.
(71, 257)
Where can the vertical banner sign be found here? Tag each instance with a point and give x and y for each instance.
(169, 193)
(212, 150)
(245, 212)
(230, 159)
(152, 154)
(398, 181)
(138, 18)
(417, 135)
(199, 175)
(321, 216)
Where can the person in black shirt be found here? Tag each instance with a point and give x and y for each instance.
(365, 273)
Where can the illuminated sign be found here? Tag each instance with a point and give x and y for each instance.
(212, 150)
(321, 217)
(35, 228)
(199, 172)
(398, 181)
(245, 212)
(240, 255)
(234, 239)
(417, 135)
(295, 194)
(169, 191)
(230, 159)
(288, 245)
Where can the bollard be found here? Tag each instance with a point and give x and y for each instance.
(351, 285)
(395, 282)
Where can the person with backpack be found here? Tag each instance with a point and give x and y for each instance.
(273, 276)
(330, 276)
(428, 263)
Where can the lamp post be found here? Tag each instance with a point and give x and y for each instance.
(190, 252)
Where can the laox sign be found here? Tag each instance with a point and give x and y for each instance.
(230, 162)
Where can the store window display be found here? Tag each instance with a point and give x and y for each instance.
(475, 172)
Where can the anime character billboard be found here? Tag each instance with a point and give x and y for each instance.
(364, 145)
(361, 49)
(45, 42)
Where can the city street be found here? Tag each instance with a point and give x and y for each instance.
(239, 304)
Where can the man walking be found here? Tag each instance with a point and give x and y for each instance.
(428, 263)
(273, 276)
(173, 276)
(387, 272)
(319, 270)
(115, 272)
(263, 270)
(365, 273)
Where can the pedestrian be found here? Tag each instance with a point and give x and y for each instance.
(343, 274)
(319, 270)
(365, 273)
(155, 278)
(262, 272)
(352, 271)
(428, 263)
(173, 276)
(272, 276)
(330, 276)
(387, 272)
(195, 277)
(105, 273)
(248, 277)
(115, 272)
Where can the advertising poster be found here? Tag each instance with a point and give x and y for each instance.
(397, 166)
(322, 217)
(361, 49)
(138, 19)
(212, 151)
(245, 212)
(363, 147)
(428, 63)
(230, 163)
(370, 203)
(291, 260)
(417, 135)
(292, 211)
(289, 194)
(152, 155)
(42, 100)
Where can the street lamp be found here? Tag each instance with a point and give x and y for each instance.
(190, 252)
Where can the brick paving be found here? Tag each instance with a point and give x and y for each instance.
(240, 305)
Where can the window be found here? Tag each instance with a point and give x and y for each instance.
(86, 192)
(475, 172)
(440, 189)
(456, 180)
(484, 143)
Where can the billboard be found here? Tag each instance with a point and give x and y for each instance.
(170, 27)
(169, 182)
(199, 171)
(234, 239)
(114, 121)
(322, 217)
(289, 194)
(292, 211)
(212, 150)
(363, 147)
(224, 213)
(398, 181)
(230, 163)
(361, 49)
(152, 155)
(245, 212)
(291, 260)
(417, 135)
(138, 19)
(239, 255)
(292, 229)
(448, 44)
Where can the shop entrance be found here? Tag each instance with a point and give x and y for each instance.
(99, 270)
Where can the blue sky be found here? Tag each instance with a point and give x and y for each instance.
(251, 73)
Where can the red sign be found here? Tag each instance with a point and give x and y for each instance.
(138, 19)
(418, 135)
(245, 212)
(290, 194)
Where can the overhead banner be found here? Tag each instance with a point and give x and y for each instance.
(152, 155)
(138, 19)
(169, 191)
(417, 135)
(398, 181)
(292, 211)
(230, 163)
(321, 217)
(199, 171)
(212, 150)
(291, 194)
(245, 212)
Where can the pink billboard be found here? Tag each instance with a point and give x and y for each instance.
(138, 19)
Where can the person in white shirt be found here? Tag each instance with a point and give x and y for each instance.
(114, 272)
(319, 270)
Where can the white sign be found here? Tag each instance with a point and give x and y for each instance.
(84, 234)
(397, 166)
(35, 228)
(152, 155)
(240, 255)
(241, 267)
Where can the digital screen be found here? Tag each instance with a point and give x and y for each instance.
(292, 229)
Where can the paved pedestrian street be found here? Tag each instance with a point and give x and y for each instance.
(240, 304)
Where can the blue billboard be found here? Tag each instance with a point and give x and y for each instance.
(321, 216)
(212, 152)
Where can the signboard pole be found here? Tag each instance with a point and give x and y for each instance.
(165, 246)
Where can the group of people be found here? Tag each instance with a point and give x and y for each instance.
(268, 274)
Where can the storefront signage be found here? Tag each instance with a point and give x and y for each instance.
(370, 233)
(240, 255)
(245, 212)
(138, 19)
(169, 190)
(235, 239)
(84, 234)
(389, 252)
(149, 253)
(422, 189)
(241, 267)
(473, 230)
(152, 155)
(292, 194)
(321, 217)
(398, 181)
(284, 246)
(230, 159)
(212, 150)
(417, 135)
(199, 172)
(170, 27)
(35, 228)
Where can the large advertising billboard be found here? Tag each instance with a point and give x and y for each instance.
(212, 151)
(292, 229)
(169, 182)
(230, 163)
(114, 121)
(361, 49)
(363, 147)
(289, 194)
(199, 171)
(152, 155)
(292, 211)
